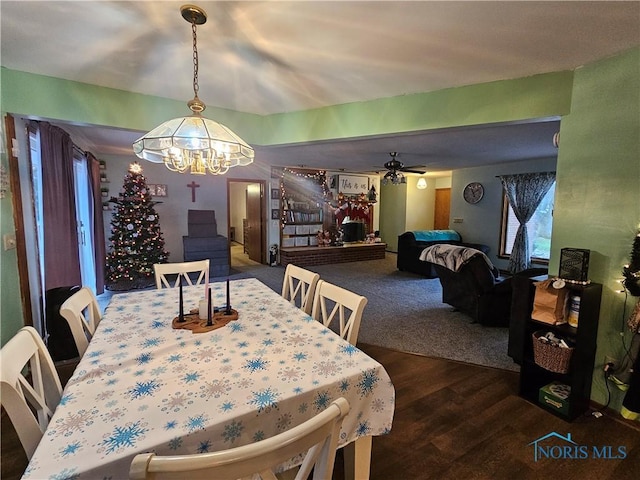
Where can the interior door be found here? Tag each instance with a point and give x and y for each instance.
(254, 222)
(442, 209)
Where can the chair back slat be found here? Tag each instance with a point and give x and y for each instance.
(331, 302)
(182, 271)
(299, 286)
(30, 388)
(82, 313)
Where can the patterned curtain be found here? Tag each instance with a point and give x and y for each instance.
(525, 191)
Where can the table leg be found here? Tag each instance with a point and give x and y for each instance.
(357, 459)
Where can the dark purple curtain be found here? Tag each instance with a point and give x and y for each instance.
(61, 264)
(97, 221)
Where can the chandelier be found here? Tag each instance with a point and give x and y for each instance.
(194, 144)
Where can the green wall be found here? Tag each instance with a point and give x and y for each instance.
(405, 208)
(393, 214)
(54, 98)
(598, 189)
(502, 101)
(10, 305)
(598, 171)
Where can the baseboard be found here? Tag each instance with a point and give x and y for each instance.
(615, 415)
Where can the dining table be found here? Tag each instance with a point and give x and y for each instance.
(145, 386)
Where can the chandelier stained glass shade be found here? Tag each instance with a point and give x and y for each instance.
(195, 144)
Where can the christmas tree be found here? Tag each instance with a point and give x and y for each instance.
(136, 241)
(631, 272)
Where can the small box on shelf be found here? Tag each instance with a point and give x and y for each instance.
(555, 395)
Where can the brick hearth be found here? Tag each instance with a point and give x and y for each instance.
(306, 256)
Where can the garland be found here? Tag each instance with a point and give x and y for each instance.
(631, 272)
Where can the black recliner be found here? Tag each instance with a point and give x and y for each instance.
(471, 284)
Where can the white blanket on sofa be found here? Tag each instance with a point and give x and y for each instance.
(452, 257)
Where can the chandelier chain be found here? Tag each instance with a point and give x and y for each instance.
(196, 87)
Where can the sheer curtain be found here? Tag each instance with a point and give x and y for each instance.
(61, 263)
(525, 191)
(97, 221)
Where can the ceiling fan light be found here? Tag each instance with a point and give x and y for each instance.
(394, 175)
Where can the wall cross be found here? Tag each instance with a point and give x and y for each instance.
(193, 185)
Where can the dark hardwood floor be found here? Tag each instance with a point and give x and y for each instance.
(459, 421)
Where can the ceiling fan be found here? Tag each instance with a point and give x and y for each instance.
(396, 168)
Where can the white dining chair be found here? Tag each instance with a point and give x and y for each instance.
(82, 313)
(181, 270)
(299, 286)
(317, 439)
(331, 302)
(30, 387)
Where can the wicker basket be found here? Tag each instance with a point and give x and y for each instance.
(551, 357)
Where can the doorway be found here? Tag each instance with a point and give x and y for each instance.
(247, 222)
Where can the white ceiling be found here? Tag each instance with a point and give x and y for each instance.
(277, 56)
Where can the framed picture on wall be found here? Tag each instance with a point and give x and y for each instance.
(275, 193)
(353, 184)
(275, 214)
(157, 190)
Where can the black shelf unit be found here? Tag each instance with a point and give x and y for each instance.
(579, 376)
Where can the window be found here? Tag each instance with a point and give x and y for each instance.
(539, 228)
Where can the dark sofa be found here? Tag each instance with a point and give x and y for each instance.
(411, 245)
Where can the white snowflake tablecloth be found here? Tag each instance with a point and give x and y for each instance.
(143, 386)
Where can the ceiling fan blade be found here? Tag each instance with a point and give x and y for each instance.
(413, 169)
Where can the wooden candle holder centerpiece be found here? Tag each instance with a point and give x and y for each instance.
(192, 321)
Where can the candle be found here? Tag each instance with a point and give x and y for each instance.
(209, 323)
(228, 311)
(181, 311)
(202, 308)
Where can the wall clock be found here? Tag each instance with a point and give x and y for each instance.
(473, 192)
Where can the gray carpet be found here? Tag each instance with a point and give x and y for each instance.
(405, 312)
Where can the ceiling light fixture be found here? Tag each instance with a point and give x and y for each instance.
(194, 144)
(393, 177)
